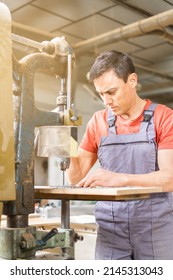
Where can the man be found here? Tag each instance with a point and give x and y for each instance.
(133, 140)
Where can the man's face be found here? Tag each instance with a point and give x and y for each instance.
(116, 95)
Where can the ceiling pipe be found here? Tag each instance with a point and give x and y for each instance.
(25, 41)
(154, 72)
(21, 26)
(156, 25)
(142, 27)
(156, 88)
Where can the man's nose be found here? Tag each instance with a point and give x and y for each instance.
(107, 99)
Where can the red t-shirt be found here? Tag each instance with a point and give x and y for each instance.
(98, 127)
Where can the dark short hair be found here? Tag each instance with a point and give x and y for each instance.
(120, 62)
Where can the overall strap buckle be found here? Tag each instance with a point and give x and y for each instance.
(148, 114)
(111, 120)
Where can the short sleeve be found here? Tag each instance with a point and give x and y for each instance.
(88, 141)
(95, 129)
(164, 127)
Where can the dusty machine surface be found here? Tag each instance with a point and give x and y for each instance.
(7, 174)
(24, 127)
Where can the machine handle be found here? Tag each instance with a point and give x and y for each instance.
(50, 234)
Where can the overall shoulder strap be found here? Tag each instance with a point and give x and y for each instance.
(111, 119)
(148, 117)
(144, 126)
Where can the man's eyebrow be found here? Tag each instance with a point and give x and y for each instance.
(108, 90)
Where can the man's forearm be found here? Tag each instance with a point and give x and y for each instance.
(73, 172)
(106, 178)
(160, 178)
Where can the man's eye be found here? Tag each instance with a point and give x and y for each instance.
(112, 92)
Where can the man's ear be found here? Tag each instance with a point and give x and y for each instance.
(133, 80)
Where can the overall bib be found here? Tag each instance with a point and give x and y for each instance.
(133, 229)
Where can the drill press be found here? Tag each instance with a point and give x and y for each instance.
(19, 240)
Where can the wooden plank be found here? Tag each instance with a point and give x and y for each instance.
(98, 193)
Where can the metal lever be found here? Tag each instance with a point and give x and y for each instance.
(50, 234)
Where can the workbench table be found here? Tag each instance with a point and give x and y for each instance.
(98, 193)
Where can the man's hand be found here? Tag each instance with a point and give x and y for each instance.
(102, 178)
(80, 166)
